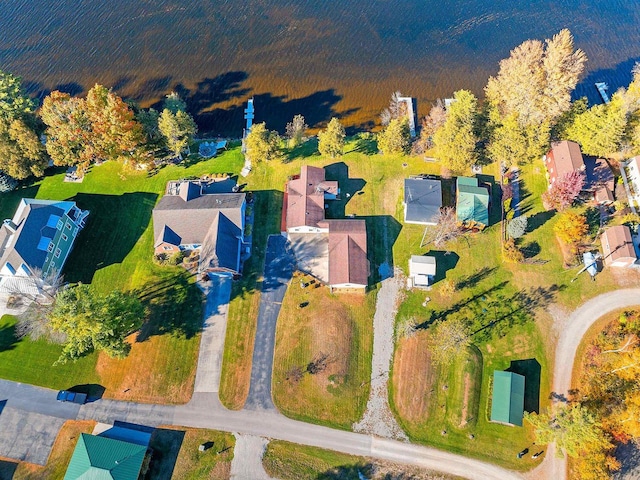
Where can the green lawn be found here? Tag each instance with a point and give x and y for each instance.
(115, 251)
(176, 455)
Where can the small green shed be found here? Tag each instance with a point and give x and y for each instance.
(507, 403)
(100, 458)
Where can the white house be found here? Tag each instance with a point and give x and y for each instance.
(630, 171)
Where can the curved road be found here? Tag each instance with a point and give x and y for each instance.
(575, 327)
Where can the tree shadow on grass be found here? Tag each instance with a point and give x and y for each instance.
(9, 200)
(366, 144)
(174, 303)
(530, 369)
(531, 250)
(348, 472)
(114, 225)
(8, 340)
(165, 445)
(304, 150)
(470, 281)
(539, 219)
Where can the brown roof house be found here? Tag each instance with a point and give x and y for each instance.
(566, 157)
(189, 218)
(618, 248)
(334, 251)
(305, 195)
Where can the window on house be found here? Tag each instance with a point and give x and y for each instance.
(58, 252)
(68, 226)
(64, 237)
(50, 247)
(60, 224)
(166, 247)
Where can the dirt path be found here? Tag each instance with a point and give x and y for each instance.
(247, 458)
(378, 419)
(465, 403)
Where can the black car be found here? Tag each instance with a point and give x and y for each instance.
(73, 397)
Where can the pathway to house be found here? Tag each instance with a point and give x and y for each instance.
(279, 265)
(515, 188)
(378, 419)
(247, 458)
(218, 294)
(571, 330)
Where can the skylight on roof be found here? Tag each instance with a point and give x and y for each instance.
(44, 242)
(53, 221)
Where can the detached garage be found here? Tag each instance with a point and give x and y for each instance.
(507, 403)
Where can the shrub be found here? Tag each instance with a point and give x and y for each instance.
(517, 227)
(511, 252)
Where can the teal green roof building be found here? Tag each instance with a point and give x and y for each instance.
(472, 205)
(101, 458)
(507, 405)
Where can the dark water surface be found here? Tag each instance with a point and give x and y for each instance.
(319, 58)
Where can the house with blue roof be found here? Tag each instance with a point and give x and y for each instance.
(38, 238)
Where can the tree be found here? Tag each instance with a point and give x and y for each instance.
(176, 125)
(430, 125)
(91, 321)
(517, 227)
(14, 102)
(578, 433)
(395, 138)
(571, 228)
(448, 339)
(563, 191)
(396, 109)
(21, 152)
(600, 130)
(455, 141)
(81, 131)
(508, 142)
(536, 81)
(331, 141)
(262, 144)
(296, 130)
(511, 252)
(446, 229)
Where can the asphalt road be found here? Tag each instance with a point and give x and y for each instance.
(278, 269)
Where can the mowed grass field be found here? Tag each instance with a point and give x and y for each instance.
(176, 455)
(337, 329)
(115, 251)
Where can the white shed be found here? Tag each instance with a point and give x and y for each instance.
(422, 270)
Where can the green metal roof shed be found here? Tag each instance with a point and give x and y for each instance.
(472, 204)
(100, 458)
(507, 405)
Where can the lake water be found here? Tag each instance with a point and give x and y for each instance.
(318, 58)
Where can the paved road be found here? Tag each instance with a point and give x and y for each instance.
(574, 328)
(279, 265)
(218, 294)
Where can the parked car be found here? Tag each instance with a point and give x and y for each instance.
(73, 397)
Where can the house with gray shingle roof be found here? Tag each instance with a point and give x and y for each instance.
(189, 218)
(39, 237)
(422, 200)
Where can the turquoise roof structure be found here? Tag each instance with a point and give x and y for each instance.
(507, 404)
(100, 458)
(473, 201)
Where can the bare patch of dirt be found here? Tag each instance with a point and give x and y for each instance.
(465, 402)
(413, 379)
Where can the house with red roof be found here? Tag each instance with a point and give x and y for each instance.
(333, 251)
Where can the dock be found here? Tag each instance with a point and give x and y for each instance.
(408, 101)
(602, 90)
